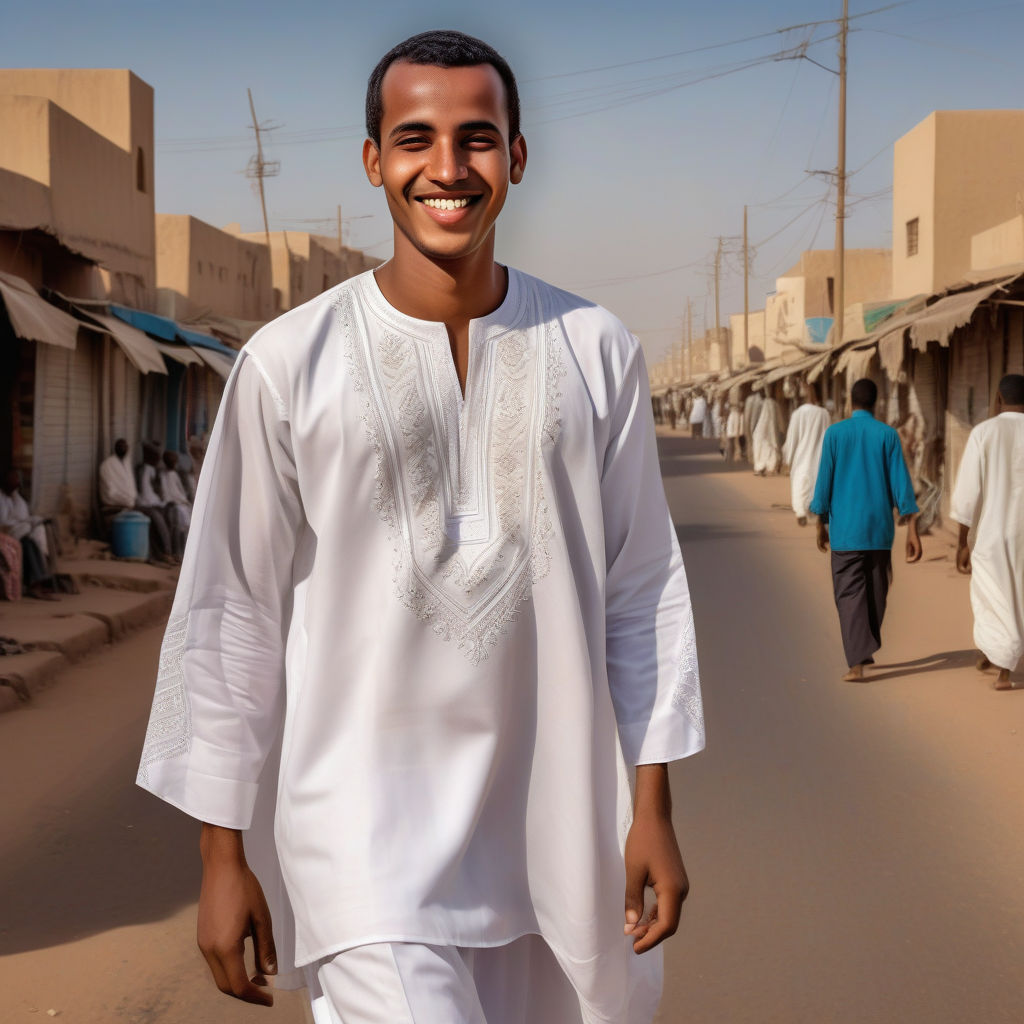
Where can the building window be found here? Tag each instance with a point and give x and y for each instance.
(140, 169)
(912, 232)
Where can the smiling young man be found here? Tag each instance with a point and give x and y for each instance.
(432, 606)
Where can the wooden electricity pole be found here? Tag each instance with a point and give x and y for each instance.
(339, 228)
(746, 292)
(689, 339)
(260, 168)
(839, 292)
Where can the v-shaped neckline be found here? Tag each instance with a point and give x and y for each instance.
(505, 317)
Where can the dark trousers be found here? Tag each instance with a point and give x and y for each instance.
(159, 531)
(861, 581)
(33, 565)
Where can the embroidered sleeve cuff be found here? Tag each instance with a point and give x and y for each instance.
(668, 737)
(225, 802)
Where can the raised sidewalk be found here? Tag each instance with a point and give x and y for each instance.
(116, 597)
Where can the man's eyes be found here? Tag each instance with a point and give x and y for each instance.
(471, 141)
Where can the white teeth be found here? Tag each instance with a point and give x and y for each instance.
(446, 204)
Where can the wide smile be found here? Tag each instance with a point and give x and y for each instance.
(448, 209)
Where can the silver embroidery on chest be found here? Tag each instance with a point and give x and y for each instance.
(170, 726)
(460, 487)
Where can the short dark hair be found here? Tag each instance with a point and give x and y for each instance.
(1011, 389)
(864, 393)
(441, 48)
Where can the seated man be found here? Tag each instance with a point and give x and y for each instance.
(177, 506)
(117, 483)
(37, 551)
(151, 503)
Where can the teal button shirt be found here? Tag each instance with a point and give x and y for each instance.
(861, 478)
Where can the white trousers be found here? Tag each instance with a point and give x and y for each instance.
(409, 983)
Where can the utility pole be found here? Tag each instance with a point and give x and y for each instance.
(839, 291)
(724, 355)
(339, 229)
(746, 292)
(689, 339)
(259, 168)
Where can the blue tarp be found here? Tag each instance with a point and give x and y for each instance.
(167, 330)
(818, 328)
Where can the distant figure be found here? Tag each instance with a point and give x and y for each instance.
(767, 431)
(117, 483)
(177, 506)
(861, 476)
(196, 452)
(802, 450)
(151, 503)
(37, 554)
(733, 432)
(989, 495)
(698, 414)
(751, 414)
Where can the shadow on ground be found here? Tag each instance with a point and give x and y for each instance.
(929, 663)
(108, 856)
(686, 456)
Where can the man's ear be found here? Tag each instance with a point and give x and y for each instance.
(371, 163)
(517, 151)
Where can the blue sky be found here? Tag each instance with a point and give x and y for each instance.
(634, 169)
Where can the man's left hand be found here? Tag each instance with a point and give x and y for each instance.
(653, 860)
(914, 548)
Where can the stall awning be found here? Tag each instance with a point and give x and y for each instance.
(220, 364)
(139, 347)
(165, 329)
(804, 365)
(179, 353)
(938, 321)
(32, 317)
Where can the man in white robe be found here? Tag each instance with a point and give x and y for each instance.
(751, 414)
(151, 503)
(39, 562)
(698, 415)
(989, 497)
(433, 618)
(767, 431)
(802, 451)
(177, 503)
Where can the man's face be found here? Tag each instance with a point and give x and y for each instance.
(121, 449)
(444, 159)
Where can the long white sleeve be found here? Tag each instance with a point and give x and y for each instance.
(220, 689)
(967, 492)
(651, 648)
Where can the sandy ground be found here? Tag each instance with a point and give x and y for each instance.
(853, 850)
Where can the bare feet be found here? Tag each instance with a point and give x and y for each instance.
(982, 664)
(855, 675)
(1003, 680)
(801, 520)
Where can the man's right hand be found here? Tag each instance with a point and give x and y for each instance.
(232, 908)
(963, 559)
(822, 537)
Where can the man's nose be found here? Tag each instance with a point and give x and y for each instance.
(446, 164)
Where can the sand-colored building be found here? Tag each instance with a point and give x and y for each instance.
(77, 165)
(203, 271)
(956, 174)
(748, 342)
(801, 311)
(304, 265)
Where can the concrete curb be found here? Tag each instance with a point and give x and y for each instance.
(56, 640)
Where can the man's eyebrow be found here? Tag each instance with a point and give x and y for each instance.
(410, 126)
(476, 126)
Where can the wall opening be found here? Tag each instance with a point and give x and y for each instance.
(140, 169)
(912, 236)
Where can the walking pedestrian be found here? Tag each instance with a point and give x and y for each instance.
(767, 431)
(432, 602)
(802, 450)
(698, 414)
(734, 432)
(989, 497)
(861, 477)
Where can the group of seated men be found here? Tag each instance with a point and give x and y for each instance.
(28, 546)
(159, 491)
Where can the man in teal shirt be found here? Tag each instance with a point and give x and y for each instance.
(862, 477)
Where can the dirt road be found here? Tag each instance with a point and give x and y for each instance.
(853, 849)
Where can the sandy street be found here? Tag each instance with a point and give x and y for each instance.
(854, 850)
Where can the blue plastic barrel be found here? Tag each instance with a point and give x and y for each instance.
(129, 535)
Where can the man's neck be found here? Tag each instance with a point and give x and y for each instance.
(443, 291)
(1011, 408)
